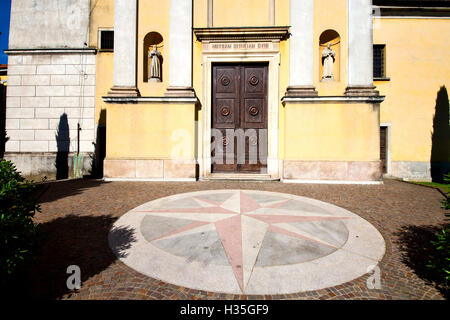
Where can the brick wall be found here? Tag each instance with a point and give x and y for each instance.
(41, 89)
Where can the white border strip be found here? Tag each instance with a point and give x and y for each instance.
(330, 182)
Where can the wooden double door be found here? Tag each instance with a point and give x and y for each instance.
(239, 118)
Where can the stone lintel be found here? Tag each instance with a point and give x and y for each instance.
(242, 33)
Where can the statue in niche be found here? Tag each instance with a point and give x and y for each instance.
(328, 58)
(155, 64)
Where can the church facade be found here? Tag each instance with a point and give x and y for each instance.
(341, 91)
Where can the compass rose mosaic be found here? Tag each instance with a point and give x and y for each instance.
(245, 241)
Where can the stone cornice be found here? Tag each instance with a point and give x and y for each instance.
(51, 51)
(242, 34)
(131, 100)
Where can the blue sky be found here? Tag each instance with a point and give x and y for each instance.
(5, 9)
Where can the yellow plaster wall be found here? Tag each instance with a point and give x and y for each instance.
(417, 53)
(102, 16)
(341, 132)
(330, 15)
(282, 18)
(197, 83)
(416, 63)
(282, 8)
(150, 131)
(283, 84)
(104, 82)
(200, 14)
(240, 13)
(331, 132)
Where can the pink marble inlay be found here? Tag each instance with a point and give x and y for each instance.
(248, 204)
(230, 231)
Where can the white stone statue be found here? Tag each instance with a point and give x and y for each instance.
(328, 58)
(155, 64)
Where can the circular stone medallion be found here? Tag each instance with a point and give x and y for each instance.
(245, 241)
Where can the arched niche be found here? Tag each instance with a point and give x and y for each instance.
(151, 39)
(334, 39)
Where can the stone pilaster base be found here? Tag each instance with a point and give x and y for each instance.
(123, 91)
(301, 91)
(150, 169)
(361, 91)
(332, 170)
(180, 92)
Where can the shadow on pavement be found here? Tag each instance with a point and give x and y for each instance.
(67, 241)
(417, 250)
(54, 190)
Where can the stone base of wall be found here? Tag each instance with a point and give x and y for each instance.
(357, 171)
(150, 169)
(37, 166)
(418, 170)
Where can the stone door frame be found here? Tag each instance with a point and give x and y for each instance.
(271, 55)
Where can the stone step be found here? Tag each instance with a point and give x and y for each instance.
(239, 177)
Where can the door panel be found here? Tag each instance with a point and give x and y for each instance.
(225, 113)
(239, 118)
(255, 80)
(253, 114)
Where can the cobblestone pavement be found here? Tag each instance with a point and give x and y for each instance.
(77, 216)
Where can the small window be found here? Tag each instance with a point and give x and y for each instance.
(106, 40)
(379, 61)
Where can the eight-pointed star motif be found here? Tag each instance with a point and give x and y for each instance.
(241, 223)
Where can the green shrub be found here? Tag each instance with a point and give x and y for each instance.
(440, 263)
(17, 229)
(446, 201)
